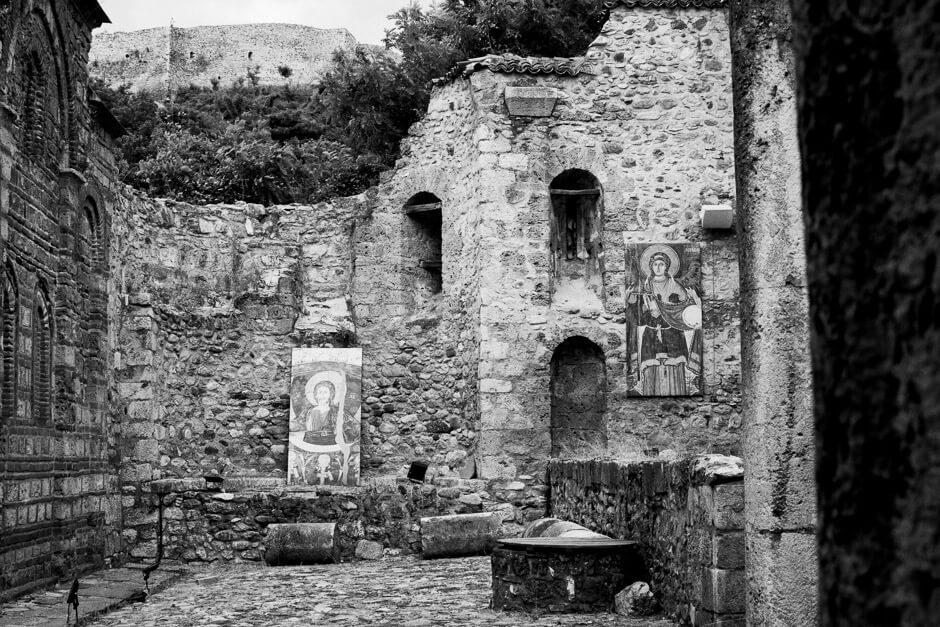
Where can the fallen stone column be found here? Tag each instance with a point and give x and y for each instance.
(556, 528)
(301, 543)
(459, 534)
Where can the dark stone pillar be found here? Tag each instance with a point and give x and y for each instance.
(780, 506)
(869, 83)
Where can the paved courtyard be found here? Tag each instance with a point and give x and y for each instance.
(404, 591)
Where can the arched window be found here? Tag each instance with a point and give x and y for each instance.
(94, 311)
(42, 357)
(579, 399)
(423, 241)
(8, 338)
(576, 215)
(94, 234)
(32, 108)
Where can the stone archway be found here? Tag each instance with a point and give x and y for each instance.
(578, 398)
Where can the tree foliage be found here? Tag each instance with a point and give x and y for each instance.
(305, 144)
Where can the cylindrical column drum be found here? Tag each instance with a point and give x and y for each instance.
(301, 543)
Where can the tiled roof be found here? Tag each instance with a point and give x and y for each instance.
(512, 64)
(94, 13)
(667, 4)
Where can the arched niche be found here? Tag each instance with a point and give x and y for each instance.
(578, 399)
(422, 244)
(9, 300)
(40, 95)
(41, 396)
(94, 320)
(576, 221)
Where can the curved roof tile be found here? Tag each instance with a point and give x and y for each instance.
(513, 64)
(667, 4)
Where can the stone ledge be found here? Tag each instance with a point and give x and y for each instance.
(278, 486)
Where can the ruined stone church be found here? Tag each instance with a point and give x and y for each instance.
(507, 284)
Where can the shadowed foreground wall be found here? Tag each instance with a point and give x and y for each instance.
(869, 79)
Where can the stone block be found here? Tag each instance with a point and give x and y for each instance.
(530, 101)
(715, 469)
(369, 550)
(301, 543)
(514, 161)
(459, 534)
(728, 550)
(723, 591)
(636, 600)
(496, 145)
(729, 506)
(783, 568)
(496, 386)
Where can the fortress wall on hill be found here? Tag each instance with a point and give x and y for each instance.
(159, 58)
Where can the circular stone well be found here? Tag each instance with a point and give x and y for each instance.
(562, 575)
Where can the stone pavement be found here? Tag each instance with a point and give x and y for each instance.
(98, 593)
(400, 591)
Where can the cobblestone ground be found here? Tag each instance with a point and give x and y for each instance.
(405, 592)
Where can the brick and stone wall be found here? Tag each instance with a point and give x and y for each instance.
(162, 60)
(60, 511)
(687, 516)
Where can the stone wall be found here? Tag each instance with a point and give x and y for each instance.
(231, 526)
(214, 298)
(423, 348)
(139, 58)
(654, 127)
(687, 516)
(59, 501)
(162, 60)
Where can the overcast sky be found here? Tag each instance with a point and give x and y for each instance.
(365, 19)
